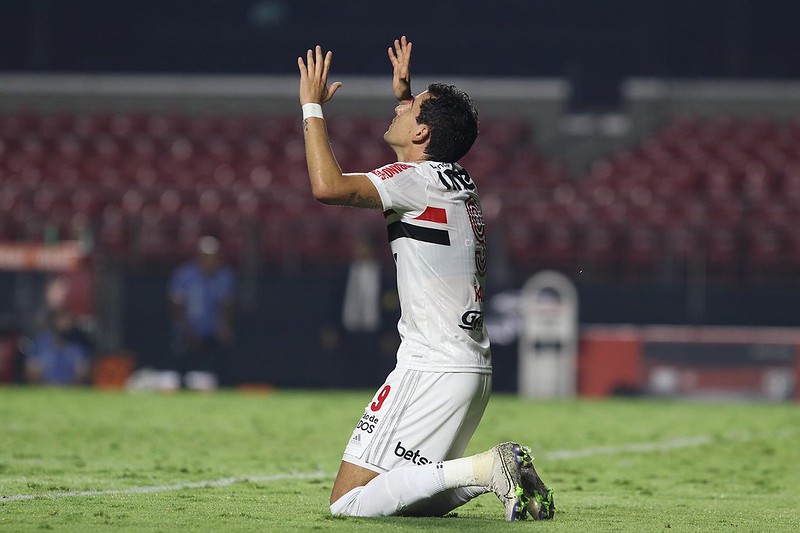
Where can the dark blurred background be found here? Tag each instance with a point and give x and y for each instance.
(650, 151)
(593, 45)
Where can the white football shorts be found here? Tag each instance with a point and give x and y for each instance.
(418, 417)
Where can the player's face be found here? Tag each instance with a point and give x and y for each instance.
(404, 125)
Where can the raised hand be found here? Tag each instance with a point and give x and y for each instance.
(400, 56)
(314, 87)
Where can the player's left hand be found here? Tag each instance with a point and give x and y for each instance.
(314, 87)
(400, 57)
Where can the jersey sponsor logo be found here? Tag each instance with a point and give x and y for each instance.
(410, 455)
(475, 215)
(400, 230)
(478, 293)
(367, 423)
(480, 260)
(476, 220)
(390, 171)
(455, 179)
(472, 320)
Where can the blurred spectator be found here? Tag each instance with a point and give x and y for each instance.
(54, 356)
(79, 294)
(361, 308)
(368, 315)
(201, 294)
(73, 293)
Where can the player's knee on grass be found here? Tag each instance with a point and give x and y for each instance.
(346, 505)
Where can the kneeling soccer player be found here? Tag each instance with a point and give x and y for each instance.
(405, 454)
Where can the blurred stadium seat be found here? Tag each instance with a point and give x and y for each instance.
(720, 189)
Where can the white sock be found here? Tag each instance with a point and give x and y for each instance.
(472, 471)
(392, 492)
(430, 490)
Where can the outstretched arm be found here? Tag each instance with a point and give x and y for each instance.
(328, 184)
(400, 56)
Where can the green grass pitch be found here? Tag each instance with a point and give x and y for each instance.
(84, 460)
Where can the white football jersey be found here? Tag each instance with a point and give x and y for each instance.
(438, 239)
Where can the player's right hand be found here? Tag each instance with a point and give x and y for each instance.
(314, 87)
(400, 56)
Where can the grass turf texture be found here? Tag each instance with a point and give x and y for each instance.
(637, 466)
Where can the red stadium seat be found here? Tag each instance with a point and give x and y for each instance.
(112, 235)
(90, 125)
(55, 125)
(16, 125)
(88, 201)
(190, 227)
(234, 232)
(790, 188)
(256, 150)
(506, 132)
(7, 227)
(133, 201)
(557, 247)
(171, 201)
(719, 182)
(348, 128)
(520, 244)
(483, 160)
(153, 236)
(735, 182)
(756, 182)
(29, 224)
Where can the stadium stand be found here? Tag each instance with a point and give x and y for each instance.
(722, 191)
(147, 167)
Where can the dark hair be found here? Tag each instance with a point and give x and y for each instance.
(453, 122)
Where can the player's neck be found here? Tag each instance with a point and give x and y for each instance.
(411, 154)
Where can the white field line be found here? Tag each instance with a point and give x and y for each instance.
(224, 482)
(641, 447)
(563, 455)
(664, 445)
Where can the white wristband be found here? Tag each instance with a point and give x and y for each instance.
(312, 110)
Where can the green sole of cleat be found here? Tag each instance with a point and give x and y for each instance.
(546, 503)
(523, 502)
